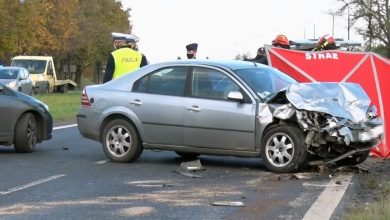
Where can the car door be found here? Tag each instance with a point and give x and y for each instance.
(23, 81)
(213, 121)
(158, 101)
(28, 82)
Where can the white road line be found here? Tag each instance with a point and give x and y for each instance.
(65, 126)
(101, 161)
(31, 184)
(328, 200)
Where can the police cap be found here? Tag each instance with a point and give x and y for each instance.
(118, 36)
(131, 38)
(193, 46)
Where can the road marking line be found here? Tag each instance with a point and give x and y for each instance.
(328, 200)
(65, 126)
(31, 184)
(101, 161)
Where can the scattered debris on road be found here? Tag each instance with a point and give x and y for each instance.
(65, 148)
(228, 203)
(189, 168)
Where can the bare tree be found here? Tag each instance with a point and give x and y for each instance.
(376, 15)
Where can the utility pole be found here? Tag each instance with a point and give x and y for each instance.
(333, 26)
(349, 24)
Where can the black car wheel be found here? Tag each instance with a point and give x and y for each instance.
(121, 142)
(26, 134)
(187, 155)
(283, 149)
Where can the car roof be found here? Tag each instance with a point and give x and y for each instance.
(12, 67)
(230, 64)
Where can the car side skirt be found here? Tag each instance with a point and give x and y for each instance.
(200, 150)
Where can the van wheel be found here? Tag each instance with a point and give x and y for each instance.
(26, 134)
(64, 88)
(121, 142)
(283, 150)
(47, 89)
(35, 90)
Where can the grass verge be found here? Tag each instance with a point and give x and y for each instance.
(373, 192)
(63, 107)
(378, 210)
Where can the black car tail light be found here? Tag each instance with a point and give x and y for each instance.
(84, 99)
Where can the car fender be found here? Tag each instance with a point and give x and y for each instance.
(123, 111)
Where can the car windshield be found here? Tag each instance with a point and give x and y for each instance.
(265, 81)
(8, 73)
(33, 66)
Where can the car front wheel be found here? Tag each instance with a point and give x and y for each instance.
(121, 142)
(26, 134)
(283, 149)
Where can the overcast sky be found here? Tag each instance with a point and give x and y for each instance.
(225, 28)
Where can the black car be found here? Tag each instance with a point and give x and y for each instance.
(24, 120)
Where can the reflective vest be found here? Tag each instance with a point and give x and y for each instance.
(126, 60)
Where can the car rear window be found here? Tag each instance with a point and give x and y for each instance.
(8, 73)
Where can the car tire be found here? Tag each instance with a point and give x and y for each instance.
(283, 150)
(187, 155)
(35, 90)
(121, 142)
(355, 159)
(26, 134)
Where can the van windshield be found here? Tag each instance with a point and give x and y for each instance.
(33, 66)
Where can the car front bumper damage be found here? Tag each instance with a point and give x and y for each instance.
(338, 122)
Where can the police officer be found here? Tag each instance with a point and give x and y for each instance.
(191, 50)
(260, 57)
(125, 58)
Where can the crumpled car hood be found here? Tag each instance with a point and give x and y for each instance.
(345, 100)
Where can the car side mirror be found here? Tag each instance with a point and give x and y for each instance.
(50, 72)
(235, 96)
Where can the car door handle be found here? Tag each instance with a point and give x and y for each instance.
(194, 108)
(136, 102)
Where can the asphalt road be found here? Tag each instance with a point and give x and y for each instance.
(69, 177)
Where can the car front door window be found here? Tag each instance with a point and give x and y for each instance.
(211, 84)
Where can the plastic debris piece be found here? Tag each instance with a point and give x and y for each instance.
(228, 203)
(189, 168)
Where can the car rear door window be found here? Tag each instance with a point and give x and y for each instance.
(211, 84)
(166, 81)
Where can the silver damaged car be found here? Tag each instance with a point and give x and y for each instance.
(234, 108)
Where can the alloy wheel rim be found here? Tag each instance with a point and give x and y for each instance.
(32, 133)
(279, 149)
(118, 141)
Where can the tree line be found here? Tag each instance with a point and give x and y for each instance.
(75, 31)
(375, 15)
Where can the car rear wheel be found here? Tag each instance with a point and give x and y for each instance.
(283, 149)
(26, 134)
(187, 155)
(121, 142)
